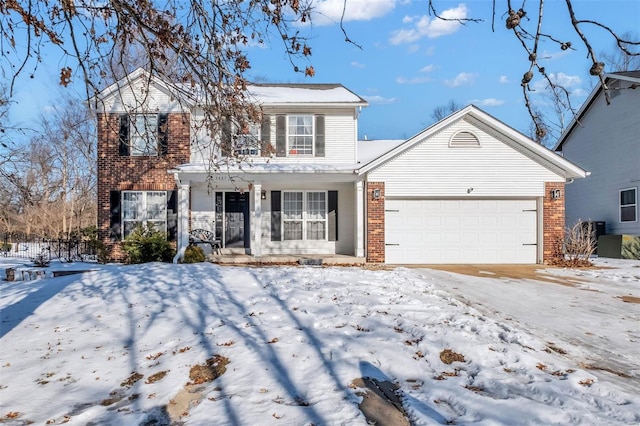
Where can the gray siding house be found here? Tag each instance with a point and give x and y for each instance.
(605, 139)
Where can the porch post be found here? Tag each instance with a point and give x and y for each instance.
(359, 243)
(183, 221)
(256, 223)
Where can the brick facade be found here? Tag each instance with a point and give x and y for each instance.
(145, 173)
(375, 223)
(552, 222)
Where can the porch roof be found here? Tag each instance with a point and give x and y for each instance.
(265, 168)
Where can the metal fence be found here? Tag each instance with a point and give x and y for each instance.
(46, 249)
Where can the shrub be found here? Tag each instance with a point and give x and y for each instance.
(41, 260)
(146, 244)
(577, 247)
(5, 247)
(193, 254)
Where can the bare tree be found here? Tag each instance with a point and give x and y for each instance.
(442, 111)
(619, 60)
(49, 183)
(200, 45)
(527, 26)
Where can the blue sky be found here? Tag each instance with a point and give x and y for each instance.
(411, 63)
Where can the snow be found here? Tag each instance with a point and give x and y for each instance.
(296, 337)
(277, 94)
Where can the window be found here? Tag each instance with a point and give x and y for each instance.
(300, 135)
(247, 141)
(629, 205)
(304, 215)
(144, 207)
(143, 134)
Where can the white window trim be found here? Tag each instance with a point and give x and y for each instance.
(634, 205)
(148, 142)
(305, 219)
(144, 219)
(313, 136)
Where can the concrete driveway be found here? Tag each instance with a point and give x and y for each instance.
(591, 316)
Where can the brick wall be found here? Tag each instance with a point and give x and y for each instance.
(553, 222)
(118, 173)
(375, 223)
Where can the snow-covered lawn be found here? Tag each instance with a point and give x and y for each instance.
(116, 346)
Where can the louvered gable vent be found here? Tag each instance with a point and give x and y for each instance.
(464, 140)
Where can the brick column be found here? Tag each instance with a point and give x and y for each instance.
(553, 222)
(375, 223)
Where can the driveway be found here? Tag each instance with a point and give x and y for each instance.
(591, 316)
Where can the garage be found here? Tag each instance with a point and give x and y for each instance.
(460, 231)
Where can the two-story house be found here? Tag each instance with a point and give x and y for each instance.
(468, 189)
(605, 139)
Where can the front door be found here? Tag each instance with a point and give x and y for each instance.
(236, 209)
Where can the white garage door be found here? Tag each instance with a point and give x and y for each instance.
(460, 231)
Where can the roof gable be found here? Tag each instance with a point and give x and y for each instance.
(632, 77)
(506, 134)
(141, 88)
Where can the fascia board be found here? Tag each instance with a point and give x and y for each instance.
(570, 170)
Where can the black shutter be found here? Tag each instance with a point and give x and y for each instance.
(319, 135)
(226, 142)
(115, 228)
(163, 132)
(276, 216)
(332, 203)
(123, 136)
(281, 136)
(172, 215)
(265, 134)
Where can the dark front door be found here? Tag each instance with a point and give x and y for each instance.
(236, 207)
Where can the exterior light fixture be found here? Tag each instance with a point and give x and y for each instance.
(263, 195)
(376, 194)
(555, 194)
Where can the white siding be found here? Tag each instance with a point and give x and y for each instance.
(608, 145)
(135, 96)
(433, 169)
(203, 147)
(340, 136)
(202, 209)
(346, 223)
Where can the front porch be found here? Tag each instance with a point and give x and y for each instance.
(274, 217)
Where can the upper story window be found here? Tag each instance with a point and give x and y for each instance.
(629, 205)
(247, 141)
(300, 135)
(143, 134)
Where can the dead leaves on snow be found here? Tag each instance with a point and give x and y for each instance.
(448, 357)
(213, 368)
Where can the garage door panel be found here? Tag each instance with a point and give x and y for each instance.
(461, 231)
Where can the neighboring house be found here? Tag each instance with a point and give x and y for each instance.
(605, 139)
(468, 189)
